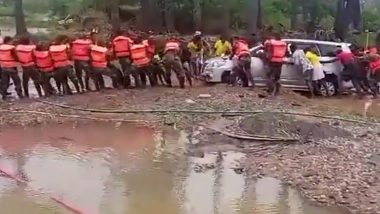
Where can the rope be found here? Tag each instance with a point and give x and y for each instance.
(253, 137)
(204, 112)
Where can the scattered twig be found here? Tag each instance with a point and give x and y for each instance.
(204, 112)
(252, 137)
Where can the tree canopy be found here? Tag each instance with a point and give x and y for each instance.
(210, 15)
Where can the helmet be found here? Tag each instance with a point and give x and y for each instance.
(198, 33)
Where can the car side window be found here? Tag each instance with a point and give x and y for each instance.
(329, 50)
(257, 50)
(303, 46)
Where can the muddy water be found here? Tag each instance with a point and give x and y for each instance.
(349, 105)
(99, 168)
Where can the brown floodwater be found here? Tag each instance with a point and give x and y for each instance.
(102, 168)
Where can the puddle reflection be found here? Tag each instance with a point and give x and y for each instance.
(100, 169)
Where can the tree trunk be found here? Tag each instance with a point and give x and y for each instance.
(294, 14)
(169, 17)
(226, 15)
(253, 11)
(145, 14)
(259, 21)
(115, 14)
(19, 18)
(197, 14)
(156, 15)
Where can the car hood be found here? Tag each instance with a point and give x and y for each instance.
(217, 59)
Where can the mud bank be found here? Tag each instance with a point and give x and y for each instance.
(331, 163)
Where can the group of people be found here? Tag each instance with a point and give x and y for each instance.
(360, 66)
(86, 59)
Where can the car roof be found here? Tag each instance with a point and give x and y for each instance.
(317, 42)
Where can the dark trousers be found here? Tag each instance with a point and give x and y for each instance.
(6, 75)
(128, 71)
(243, 71)
(64, 73)
(274, 76)
(173, 63)
(187, 70)
(144, 74)
(34, 74)
(112, 72)
(352, 72)
(48, 88)
(79, 67)
(374, 82)
(158, 73)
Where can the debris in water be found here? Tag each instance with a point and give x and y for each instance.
(204, 96)
(189, 101)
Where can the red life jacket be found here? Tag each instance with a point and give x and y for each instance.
(81, 49)
(279, 49)
(372, 50)
(375, 66)
(172, 46)
(346, 57)
(59, 55)
(139, 55)
(44, 61)
(121, 45)
(242, 48)
(7, 60)
(25, 55)
(99, 56)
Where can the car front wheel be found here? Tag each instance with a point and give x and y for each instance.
(331, 89)
(226, 77)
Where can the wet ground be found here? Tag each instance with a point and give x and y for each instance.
(103, 168)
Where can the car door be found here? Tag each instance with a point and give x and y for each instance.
(291, 75)
(258, 69)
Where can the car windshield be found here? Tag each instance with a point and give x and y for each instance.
(329, 50)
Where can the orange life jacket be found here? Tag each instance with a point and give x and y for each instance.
(242, 48)
(44, 61)
(151, 48)
(121, 45)
(139, 55)
(81, 49)
(99, 56)
(59, 55)
(25, 55)
(172, 46)
(7, 60)
(279, 49)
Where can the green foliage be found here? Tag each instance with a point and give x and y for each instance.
(371, 19)
(275, 12)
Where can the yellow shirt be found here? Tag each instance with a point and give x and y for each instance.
(194, 47)
(314, 58)
(222, 48)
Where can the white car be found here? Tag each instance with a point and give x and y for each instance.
(218, 69)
